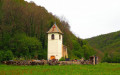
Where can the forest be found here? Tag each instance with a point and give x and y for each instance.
(23, 28)
(108, 45)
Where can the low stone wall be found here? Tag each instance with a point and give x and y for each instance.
(44, 62)
(26, 62)
(74, 62)
(93, 60)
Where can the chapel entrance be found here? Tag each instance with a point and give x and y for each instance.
(52, 57)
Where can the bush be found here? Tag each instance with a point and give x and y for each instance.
(6, 55)
(25, 46)
(62, 59)
(113, 57)
(1, 55)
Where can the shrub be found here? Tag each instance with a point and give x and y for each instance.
(1, 55)
(25, 46)
(62, 59)
(8, 55)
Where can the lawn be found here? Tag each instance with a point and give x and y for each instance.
(100, 69)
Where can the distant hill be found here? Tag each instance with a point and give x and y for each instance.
(107, 43)
(23, 28)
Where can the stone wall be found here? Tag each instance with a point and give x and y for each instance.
(64, 51)
(92, 61)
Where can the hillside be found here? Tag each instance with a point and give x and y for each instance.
(23, 28)
(106, 44)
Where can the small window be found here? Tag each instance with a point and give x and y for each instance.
(52, 37)
(59, 36)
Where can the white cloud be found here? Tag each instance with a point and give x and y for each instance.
(87, 18)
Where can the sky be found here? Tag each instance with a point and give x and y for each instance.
(87, 18)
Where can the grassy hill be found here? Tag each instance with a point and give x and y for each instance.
(23, 28)
(108, 43)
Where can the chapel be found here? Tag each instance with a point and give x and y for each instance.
(56, 49)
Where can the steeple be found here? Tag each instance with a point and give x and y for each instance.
(56, 50)
(55, 29)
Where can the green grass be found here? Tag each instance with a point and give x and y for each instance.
(100, 69)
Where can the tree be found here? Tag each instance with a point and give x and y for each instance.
(88, 51)
(25, 46)
(23, 28)
(1, 55)
(8, 55)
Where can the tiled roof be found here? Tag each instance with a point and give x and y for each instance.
(54, 29)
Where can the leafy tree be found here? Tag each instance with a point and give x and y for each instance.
(23, 28)
(25, 46)
(1, 55)
(107, 44)
(8, 55)
(113, 57)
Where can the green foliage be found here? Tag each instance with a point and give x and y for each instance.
(1, 55)
(23, 28)
(82, 49)
(88, 51)
(109, 44)
(62, 59)
(106, 42)
(111, 57)
(6, 55)
(24, 46)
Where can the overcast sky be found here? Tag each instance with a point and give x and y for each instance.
(87, 18)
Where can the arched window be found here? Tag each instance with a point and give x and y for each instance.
(52, 37)
(59, 36)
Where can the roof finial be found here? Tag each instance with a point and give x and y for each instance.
(55, 23)
(56, 26)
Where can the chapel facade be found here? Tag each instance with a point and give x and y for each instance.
(56, 49)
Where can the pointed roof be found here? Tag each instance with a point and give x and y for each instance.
(54, 29)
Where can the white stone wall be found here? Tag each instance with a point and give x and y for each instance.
(54, 46)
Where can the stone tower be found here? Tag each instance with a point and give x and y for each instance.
(55, 40)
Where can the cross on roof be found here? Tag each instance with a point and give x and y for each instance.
(53, 28)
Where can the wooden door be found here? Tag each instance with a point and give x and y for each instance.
(52, 57)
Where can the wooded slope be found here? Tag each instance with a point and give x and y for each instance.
(107, 43)
(23, 28)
